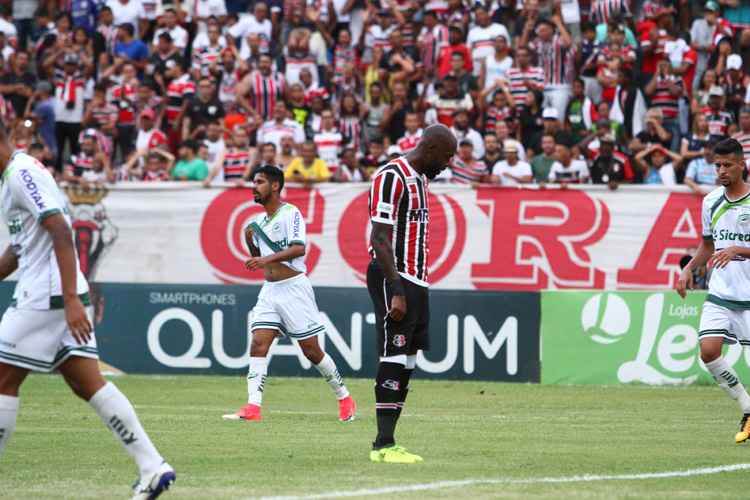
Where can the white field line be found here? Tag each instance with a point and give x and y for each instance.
(586, 478)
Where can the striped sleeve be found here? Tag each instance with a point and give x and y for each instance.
(385, 194)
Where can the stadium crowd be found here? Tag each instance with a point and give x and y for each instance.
(564, 91)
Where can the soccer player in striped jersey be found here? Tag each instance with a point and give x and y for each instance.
(397, 277)
(48, 325)
(286, 304)
(725, 248)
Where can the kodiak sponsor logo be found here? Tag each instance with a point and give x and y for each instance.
(32, 188)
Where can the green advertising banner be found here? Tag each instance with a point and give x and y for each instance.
(624, 337)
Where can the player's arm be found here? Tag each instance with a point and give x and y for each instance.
(62, 242)
(8, 263)
(295, 250)
(254, 250)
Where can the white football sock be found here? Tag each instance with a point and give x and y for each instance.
(119, 415)
(8, 413)
(728, 380)
(328, 369)
(256, 379)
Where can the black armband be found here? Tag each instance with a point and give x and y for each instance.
(397, 287)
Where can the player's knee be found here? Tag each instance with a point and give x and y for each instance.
(259, 348)
(710, 352)
(312, 351)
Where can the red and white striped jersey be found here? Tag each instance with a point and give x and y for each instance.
(178, 91)
(398, 197)
(236, 161)
(123, 96)
(744, 139)
(431, 41)
(557, 61)
(663, 98)
(265, 92)
(718, 121)
(467, 172)
(409, 141)
(329, 144)
(351, 129)
(150, 139)
(602, 10)
(204, 57)
(518, 89)
(80, 164)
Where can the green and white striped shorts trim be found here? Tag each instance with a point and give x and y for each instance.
(268, 325)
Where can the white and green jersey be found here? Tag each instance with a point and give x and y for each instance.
(285, 228)
(727, 223)
(29, 195)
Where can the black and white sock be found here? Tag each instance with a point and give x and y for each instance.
(387, 397)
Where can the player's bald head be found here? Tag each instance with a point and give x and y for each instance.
(435, 150)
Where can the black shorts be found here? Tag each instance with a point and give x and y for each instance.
(411, 333)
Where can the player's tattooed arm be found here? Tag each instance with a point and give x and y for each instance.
(380, 238)
(254, 251)
(8, 263)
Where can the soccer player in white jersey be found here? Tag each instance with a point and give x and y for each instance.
(48, 324)
(726, 248)
(286, 304)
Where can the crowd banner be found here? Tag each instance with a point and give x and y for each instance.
(488, 238)
(611, 337)
(203, 329)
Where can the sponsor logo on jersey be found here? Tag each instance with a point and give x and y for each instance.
(419, 215)
(32, 188)
(399, 340)
(15, 226)
(727, 235)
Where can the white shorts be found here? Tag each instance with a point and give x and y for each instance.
(731, 325)
(40, 339)
(288, 306)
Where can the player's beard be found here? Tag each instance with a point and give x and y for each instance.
(434, 172)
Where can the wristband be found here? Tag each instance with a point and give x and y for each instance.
(397, 287)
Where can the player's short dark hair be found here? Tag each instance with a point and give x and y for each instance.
(729, 147)
(272, 173)
(268, 144)
(36, 146)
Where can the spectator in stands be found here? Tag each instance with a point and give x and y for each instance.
(701, 176)
(492, 151)
(90, 167)
(41, 109)
(566, 169)
(511, 171)
(189, 167)
(610, 166)
(69, 99)
(307, 168)
(349, 169)
(329, 141)
(236, 162)
(542, 163)
(202, 109)
(128, 48)
(743, 135)
(280, 126)
(17, 85)
(462, 130)
(654, 167)
(157, 165)
(287, 152)
(465, 168)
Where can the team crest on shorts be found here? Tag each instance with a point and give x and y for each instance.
(399, 340)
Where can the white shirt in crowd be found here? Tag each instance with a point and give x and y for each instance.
(178, 33)
(577, 171)
(329, 144)
(273, 132)
(127, 12)
(481, 42)
(520, 169)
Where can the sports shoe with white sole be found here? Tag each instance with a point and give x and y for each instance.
(247, 412)
(150, 487)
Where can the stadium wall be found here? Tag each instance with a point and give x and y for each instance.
(172, 296)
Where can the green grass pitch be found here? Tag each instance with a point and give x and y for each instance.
(464, 430)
